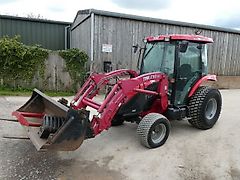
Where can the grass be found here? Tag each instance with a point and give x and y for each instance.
(28, 92)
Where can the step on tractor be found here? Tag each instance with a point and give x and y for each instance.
(168, 86)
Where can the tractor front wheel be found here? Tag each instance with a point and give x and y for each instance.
(153, 130)
(205, 107)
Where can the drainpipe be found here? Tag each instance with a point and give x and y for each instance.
(66, 36)
(92, 36)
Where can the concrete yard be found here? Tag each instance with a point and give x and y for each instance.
(116, 154)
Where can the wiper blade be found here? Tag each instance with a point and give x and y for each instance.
(149, 51)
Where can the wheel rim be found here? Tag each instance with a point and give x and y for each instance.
(158, 133)
(211, 108)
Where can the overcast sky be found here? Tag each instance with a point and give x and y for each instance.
(212, 12)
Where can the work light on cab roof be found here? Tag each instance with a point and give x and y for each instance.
(179, 37)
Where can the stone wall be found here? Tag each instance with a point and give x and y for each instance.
(56, 76)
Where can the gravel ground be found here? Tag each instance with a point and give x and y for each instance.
(117, 154)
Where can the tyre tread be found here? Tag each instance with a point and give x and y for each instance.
(145, 125)
(195, 105)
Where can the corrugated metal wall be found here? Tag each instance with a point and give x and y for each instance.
(123, 31)
(49, 34)
(81, 33)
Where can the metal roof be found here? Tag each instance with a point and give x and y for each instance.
(49, 34)
(194, 38)
(33, 20)
(155, 20)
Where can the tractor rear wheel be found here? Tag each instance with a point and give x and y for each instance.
(153, 130)
(205, 107)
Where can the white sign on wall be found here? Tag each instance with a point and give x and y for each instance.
(107, 48)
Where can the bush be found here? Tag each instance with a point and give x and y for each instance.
(18, 61)
(75, 62)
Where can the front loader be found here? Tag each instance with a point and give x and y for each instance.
(168, 87)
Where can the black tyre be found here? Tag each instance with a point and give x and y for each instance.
(117, 121)
(205, 107)
(153, 130)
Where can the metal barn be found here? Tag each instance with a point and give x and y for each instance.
(50, 34)
(109, 37)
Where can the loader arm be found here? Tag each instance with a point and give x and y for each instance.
(120, 94)
(95, 82)
(54, 126)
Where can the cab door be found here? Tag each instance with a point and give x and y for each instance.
(189, 70)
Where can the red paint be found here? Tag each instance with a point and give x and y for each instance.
(194, 38)
(200, 81)
(96, 81)
(120, 94)
(123, 92)
(160, 105)
(21, 116)
(108, 98)
(89, 102)
(146, 92)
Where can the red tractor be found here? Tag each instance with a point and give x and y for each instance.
(168, 87)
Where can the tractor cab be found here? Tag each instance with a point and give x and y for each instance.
(183, 58)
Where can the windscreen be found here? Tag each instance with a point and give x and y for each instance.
(158, 57)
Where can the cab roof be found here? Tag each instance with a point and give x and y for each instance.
(172, 37)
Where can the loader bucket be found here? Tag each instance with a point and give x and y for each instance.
(51, 125)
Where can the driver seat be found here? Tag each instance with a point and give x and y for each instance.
(185, 73)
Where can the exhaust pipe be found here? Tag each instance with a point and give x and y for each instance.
(51, 125)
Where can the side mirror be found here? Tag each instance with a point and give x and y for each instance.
(135, 48)
(183, 46)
